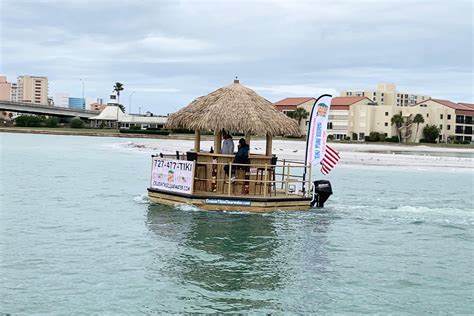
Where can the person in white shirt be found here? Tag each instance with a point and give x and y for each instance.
(227, 145)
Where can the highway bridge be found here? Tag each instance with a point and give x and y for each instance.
(41, 109)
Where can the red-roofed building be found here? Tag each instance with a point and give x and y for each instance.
(355, 117)
(338, 114)
(454, 120)
(291, 104)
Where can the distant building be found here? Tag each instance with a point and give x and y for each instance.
(14, 93)
(77, 103)
(93, 103)
(5, 89)
(61, 100)
(387, 94)
(97, 107)
(32, 89)
(288, 105)
(112, 115)
(454, 120)
(355, 117)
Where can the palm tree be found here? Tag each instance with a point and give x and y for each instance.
(117, 88)
(397, 120)
(299, 114)
(418, 119)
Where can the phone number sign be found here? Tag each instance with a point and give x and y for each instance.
(172, 175)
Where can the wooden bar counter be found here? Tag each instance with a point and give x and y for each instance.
(207, 159)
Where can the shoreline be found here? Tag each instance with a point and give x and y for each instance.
(348, 146)
(359, 154)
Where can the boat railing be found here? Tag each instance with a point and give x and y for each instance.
(284, 178)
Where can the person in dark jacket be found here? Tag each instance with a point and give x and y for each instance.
(241, 157)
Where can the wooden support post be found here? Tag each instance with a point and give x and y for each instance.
(217, 141)
(283, 173)
(197, 140)
(247, 138)
(265, 182)
(268, 150)
(230, 178)
(287, 179)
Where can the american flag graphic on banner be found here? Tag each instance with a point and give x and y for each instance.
(331, 157)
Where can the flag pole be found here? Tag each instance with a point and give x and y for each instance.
(309, 135)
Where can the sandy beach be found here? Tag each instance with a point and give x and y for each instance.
(363, 154)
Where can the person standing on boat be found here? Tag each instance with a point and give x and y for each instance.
(241, 157)
(227, 145)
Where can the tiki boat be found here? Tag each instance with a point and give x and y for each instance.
(201, 178)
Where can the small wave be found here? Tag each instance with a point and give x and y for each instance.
(187, 208)
(141, 199)
(424, 209)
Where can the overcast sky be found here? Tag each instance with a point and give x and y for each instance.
(171, 52)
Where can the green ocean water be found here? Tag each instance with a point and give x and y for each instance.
(78, 236)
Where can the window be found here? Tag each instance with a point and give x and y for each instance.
(427, 114)
(386, 124)
(375, 98)
(382, 94)
(441, 116)
(386, 135)
(449, 116)
(363, 93)
(406, 95)
(330, 125)
(386, 113)
(441, 126)
(448, 127)
(381, 100)
(307, 122)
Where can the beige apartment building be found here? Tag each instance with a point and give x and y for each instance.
(32, 89)
(387, 94)
(5, 89)
(355, 117)
(288, 105)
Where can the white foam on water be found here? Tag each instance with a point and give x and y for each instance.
(141, 199)
(187, 208)
(432, 210)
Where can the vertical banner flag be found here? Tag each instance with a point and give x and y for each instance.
(317, 130)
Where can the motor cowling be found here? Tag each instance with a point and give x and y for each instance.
(322, 190)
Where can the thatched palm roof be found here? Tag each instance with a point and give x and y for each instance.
(235, 108)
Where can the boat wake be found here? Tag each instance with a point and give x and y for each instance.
(141, 199)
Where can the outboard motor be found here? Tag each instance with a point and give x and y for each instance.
(322, 190)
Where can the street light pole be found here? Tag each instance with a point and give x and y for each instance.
(130, 104)
(83, 100)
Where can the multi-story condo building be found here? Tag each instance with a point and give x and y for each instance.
(5, 89)
(14, 94)
(355, 117)
(387, 94)
(32, 89)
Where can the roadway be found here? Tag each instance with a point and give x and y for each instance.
(42, 109)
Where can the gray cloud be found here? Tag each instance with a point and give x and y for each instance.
(171, 52)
